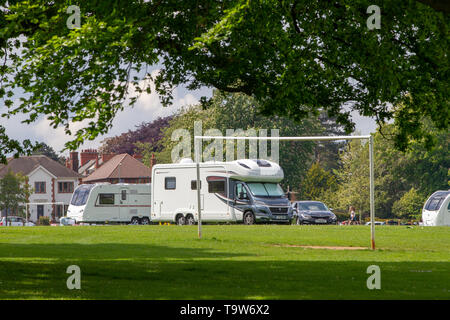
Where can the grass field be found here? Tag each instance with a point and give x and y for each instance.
(230, 262)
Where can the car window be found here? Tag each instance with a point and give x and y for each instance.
(313, 207)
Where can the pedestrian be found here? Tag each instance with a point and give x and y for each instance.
(352, 216)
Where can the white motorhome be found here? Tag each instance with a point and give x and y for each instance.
(239, 191)
(104, 202)
(436, 211)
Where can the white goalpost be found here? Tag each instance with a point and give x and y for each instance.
(199, 139)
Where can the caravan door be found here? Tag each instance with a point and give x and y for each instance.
(124, 209)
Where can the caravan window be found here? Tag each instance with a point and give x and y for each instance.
(81, 195)
(170, 183)
(106, 198)
(124, 194)
(435, 202)
(217, 185)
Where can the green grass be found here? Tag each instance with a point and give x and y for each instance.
(230, 262)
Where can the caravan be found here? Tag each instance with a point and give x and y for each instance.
(436, 211)
(239, 191)
(104, 202)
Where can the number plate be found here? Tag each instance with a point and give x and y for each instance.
(280, 217)
(321, 221)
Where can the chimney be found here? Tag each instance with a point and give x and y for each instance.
(67, 163)
(87, 155)
(74, 161)
(152, 161)
(106, 157)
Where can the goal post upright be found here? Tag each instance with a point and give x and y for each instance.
(199, 139)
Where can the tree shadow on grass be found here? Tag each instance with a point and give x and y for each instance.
(128, 271)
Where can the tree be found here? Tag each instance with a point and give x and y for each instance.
(14, 191)
(44, 149)
(409, 205)
(317, 182)
(296, 58)
(238, 111)
(146, 132)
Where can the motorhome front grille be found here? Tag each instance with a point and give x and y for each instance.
(279, 210)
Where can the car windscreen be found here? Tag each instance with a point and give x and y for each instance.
(435, 202)
(313, 206)
(81, 195)
(265, 189)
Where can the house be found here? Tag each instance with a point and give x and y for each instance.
(51, 182)
(121, 168)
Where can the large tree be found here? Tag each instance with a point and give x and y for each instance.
(14, 191)
(296, 57)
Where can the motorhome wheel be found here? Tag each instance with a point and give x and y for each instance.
(249, 218)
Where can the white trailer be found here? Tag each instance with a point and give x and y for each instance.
(239, 191)
(112, 203)
(436, 211)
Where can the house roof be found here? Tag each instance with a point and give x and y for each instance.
(26, 165)
(84, 168)
(129, 168)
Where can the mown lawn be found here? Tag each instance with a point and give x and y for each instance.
(230, 262)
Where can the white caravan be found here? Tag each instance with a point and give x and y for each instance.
(104, 202)
(239, 191)
(436, 211)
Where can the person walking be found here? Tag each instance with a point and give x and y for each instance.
(352, 216)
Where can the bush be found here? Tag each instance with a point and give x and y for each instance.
(44, 221)
(409, 205)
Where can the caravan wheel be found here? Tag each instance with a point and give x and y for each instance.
(134, 220)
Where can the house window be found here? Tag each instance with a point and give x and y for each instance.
(65, 187)
(106, 198)
(170, 183)
(39, 187)
(59, 211)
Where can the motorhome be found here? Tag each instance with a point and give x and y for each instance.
(436, 211)
(246, 191)
(112, 203)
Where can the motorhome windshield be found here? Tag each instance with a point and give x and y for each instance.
(260, 189)
(81, 195)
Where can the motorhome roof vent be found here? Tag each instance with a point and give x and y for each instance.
(262, 163)
(244, 165)
(186, 160)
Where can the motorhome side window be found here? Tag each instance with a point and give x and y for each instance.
(194, 185)
(216, 185)
(106, 198)
(170, 183)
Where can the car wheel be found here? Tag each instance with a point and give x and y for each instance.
(135, 220)
(249, 218)
(190, 220)
(145, 220)
(181, 220)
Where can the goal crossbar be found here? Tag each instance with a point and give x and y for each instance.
(199, 139)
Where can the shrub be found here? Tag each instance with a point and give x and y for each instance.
(409, 205)
(44, 221)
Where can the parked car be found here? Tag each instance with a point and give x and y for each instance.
(377, 223)
(66, 221)
(15, 221)
(312, 212)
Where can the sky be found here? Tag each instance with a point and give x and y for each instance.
(147, 108)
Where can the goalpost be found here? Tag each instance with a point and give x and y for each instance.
(199, 139)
